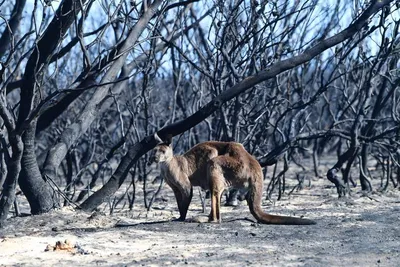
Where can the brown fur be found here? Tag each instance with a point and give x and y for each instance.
(215, 166)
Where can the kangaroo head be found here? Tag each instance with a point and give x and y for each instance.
(162, 152)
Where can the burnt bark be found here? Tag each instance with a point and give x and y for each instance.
(365, 184)
(333, 173)
(39, 194)
(10, 183)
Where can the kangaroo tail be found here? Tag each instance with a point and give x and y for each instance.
(254, 200)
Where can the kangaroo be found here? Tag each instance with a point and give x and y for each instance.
(215, 166)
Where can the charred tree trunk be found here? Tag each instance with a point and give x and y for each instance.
(365, 184)
(13, 170)
(332, 173)
(315, 158)
(40, 196)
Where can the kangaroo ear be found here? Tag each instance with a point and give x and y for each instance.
(168, 139)
(158, 139)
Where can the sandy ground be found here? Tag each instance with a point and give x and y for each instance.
(358, 231)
